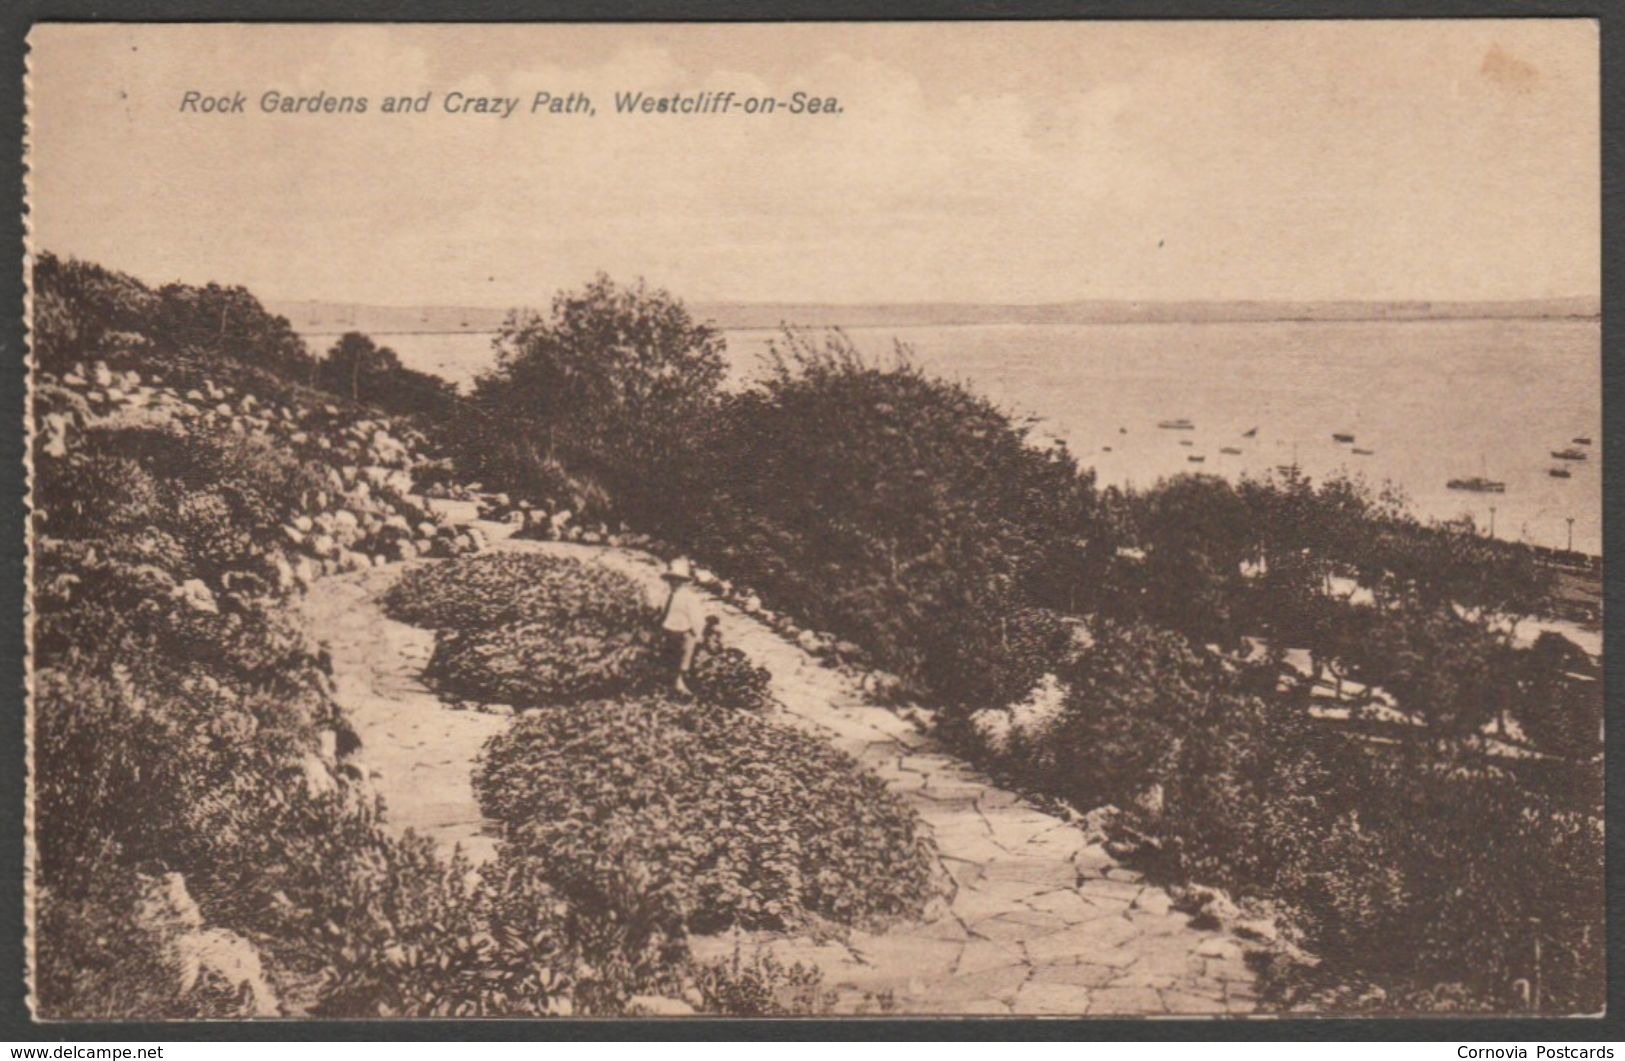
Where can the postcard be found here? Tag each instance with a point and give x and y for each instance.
(954, 519)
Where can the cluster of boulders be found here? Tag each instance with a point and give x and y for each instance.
(362, 516)
(539, 522)
(366, 513)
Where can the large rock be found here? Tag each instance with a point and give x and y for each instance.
(346, 526)
(201, 961)
(197, 596)
(657, 1006)
(283, 572)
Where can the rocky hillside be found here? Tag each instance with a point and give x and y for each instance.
(206, 840)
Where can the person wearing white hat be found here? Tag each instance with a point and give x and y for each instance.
(683, 618)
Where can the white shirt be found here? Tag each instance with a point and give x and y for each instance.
(686, 613)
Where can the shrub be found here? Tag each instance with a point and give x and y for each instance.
(896, 510)
(105, 961)
(1560, 705)
(726, 678)
(532, 630)
(738, 821)
(1406, 867)
(532, 664)
(763, 986)
(612, 382)
(501, 588)
(1026, 643)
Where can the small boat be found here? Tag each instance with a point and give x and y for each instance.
(1342, 436)
(1105, 449)
(1196, 458)
(1582, 441)
(1250, 432)
(1569, 454)
(1559, 473)
(1229, 449)
(1186, 442)
(1478, 485)
(1181, 424)
(1362, 452)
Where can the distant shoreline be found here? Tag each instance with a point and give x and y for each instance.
(330, 319)
(1551, 319)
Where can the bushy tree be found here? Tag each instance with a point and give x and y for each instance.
(355, 365)
(232, 321)
(613, 383)
(357, 368)
(80, 308)
(900, 511)
(1560, 705)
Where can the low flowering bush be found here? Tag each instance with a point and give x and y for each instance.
(762, 986)
(725, 678)
(498, 588)
(530, 630)
(532, 664)
(737, 821)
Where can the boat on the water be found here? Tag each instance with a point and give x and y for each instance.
(1569, 454)
(1229, 449)
(1180, 424)
(1342, 436)
(1559, 473)
(1582, 440)
(1186, 442)
(1196, 458)
(1362, 452)
(1478, 484)
(1251, 432)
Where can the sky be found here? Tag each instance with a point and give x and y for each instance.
(970, 162)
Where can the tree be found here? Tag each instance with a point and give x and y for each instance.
(613, 384)
(1196, 532)
(1559, 702)
(897, 510)
(81, 308)
(358, 368)
(231, 321)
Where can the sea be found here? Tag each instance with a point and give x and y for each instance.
(1430, 400)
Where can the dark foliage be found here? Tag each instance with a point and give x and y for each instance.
(359, 369)
(736, 821)
(896, 510)
(611, 384)
(499, 588)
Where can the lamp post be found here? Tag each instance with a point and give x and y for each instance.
(1492, 521)
(1571, 534)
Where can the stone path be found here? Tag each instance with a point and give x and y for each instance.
(1035, 919)
(1038, 921)
(421, 753)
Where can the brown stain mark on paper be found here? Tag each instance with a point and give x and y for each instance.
(1505, 70)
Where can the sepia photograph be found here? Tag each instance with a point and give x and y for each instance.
(970, 520)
